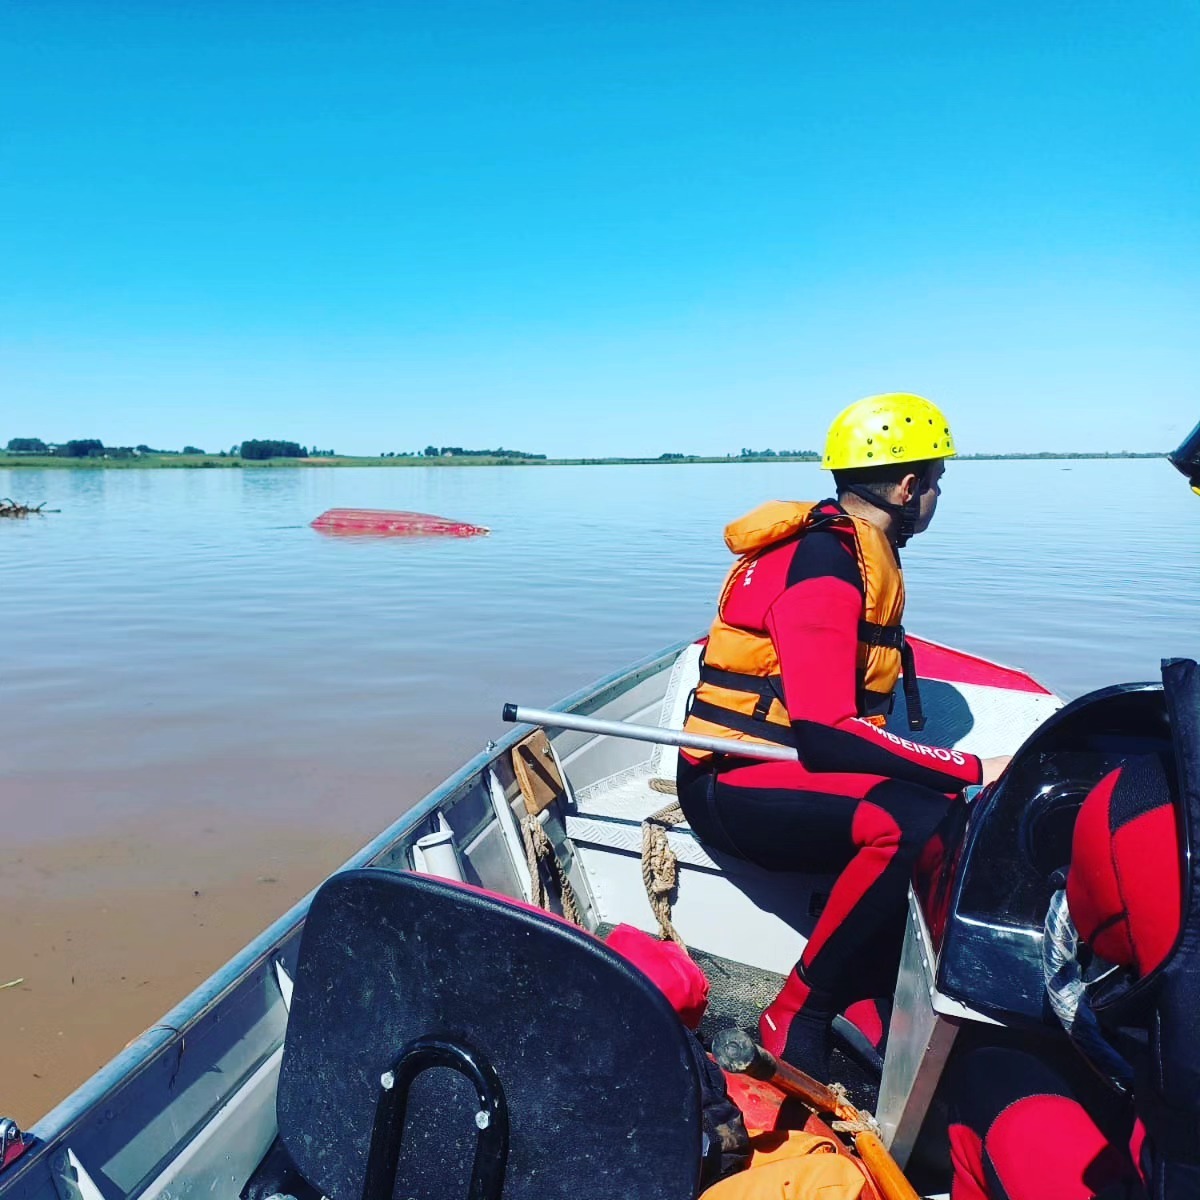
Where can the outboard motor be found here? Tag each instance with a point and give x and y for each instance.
(972, 955)
(985, 903)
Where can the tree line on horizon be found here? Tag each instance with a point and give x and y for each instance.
(95, 448)
(253, 449)
(258, 449)
(87, 448)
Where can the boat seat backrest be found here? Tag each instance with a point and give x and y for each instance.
(684, 677)
(602, 1097)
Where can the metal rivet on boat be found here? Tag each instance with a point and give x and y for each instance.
(388, 1080)
(483, 1118)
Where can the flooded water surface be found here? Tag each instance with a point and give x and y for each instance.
(207, 706)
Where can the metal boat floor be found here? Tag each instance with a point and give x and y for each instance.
(737, 992)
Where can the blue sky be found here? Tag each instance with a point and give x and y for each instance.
(606, 228)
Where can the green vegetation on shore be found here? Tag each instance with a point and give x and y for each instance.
(177, 461)
(93, 453)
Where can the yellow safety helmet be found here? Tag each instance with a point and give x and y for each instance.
(896, 427)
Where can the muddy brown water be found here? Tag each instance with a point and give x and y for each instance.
(106, 941)
(205, 706)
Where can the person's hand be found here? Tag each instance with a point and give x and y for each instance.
(993, 768)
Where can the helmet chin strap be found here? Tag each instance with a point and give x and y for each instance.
(906, 515)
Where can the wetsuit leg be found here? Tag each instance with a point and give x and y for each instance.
(1026, 1127)
(871, 828)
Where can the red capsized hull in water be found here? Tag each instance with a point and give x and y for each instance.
(377, 522)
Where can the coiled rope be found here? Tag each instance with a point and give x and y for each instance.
(660, 867)
(539, 849)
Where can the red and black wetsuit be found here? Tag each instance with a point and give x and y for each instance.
(860, 797)
(1124, 895)
(1039, 1125)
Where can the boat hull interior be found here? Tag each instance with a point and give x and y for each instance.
(190, 1107)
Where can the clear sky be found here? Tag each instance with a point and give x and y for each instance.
(619, 227)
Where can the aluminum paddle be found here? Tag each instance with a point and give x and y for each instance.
(548, 718)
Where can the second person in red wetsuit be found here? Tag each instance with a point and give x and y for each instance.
(806, 651)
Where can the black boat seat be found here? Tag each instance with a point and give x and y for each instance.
(516, 1015)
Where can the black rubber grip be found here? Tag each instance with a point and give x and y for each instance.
(508, 712)
(736, 1051)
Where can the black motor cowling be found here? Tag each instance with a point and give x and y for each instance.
(985, 901)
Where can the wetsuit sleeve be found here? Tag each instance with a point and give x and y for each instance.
(814, 627)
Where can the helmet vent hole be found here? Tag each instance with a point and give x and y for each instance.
(909, 420)
(870, 454)
(885, 429)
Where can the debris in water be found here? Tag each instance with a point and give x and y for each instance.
(10, 508)
(383, 523)
(11, 983)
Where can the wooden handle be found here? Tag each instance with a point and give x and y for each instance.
(796, 1083)
(737, 1051)
(884, 1172)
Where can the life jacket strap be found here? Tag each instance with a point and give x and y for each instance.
(874, 634)
(768, 688)
(912, 688)
(892, 636)
(761, 730)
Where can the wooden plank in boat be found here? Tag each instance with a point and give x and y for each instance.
(537, 772)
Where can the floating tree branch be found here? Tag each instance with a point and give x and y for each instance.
(10, 508)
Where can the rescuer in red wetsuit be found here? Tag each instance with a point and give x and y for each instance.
(1115, 1112)
(1123, 892)
(806, 650)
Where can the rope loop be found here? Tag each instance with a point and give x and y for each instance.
(538, 850)
(660, 867)
(862, 1122)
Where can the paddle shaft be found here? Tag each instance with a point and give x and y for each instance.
(647, 733)
(883, 1169)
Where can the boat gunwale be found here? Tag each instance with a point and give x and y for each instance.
(53, 1129)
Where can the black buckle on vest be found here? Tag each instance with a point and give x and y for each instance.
(892, 636)
(763, 731)
(874, 634)
(768, 688)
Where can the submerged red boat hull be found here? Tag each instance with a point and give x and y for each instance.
(386, 523)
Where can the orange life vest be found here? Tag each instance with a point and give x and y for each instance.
(740, 693)
(793, 1165)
